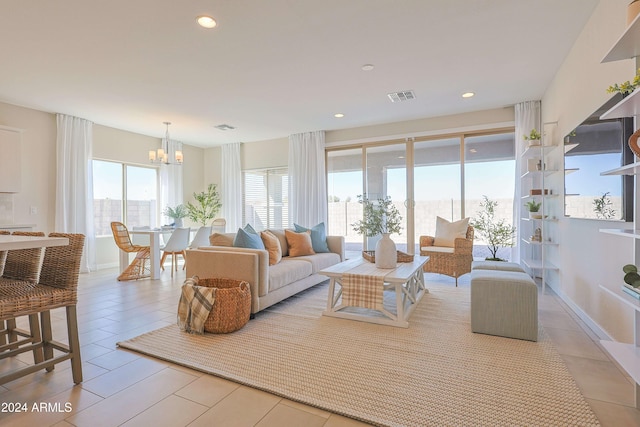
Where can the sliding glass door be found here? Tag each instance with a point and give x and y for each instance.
(444, 177)
(387, 177)
(344, 184)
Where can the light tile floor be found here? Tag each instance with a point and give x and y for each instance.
(129, 389)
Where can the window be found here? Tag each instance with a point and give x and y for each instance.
(124, 193)
(265, 198)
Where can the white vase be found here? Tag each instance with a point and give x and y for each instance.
(386, 255)
(178, 222)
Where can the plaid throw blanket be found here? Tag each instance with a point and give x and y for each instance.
(195, 305)
(361, 290)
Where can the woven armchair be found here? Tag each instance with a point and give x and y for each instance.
(453, 262)
(140, 267)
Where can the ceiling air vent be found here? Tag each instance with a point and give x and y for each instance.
(404, 95)
(224, 127)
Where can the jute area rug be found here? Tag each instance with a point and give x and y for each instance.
(435, 373)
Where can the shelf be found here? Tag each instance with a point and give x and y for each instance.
(546, 196)
(634, 234)
(571, 170)
(529, 242)
(632, 169)
(536, 264)
(571, 194)
(530, 174)
(627, 355)
(627, 45)
(570, 146)
(549, 219)
(535, 150)
(628, 107)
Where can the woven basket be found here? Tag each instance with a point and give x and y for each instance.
(232, 305)
(402, 257)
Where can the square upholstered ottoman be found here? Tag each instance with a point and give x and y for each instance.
(504, 303)
(496, 265)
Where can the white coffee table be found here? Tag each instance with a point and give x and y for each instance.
(407, 280)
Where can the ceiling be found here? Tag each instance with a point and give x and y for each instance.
(277, 67)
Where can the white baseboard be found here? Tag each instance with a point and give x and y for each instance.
(592, 324)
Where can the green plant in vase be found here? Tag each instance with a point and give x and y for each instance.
(177, 214)
(206, 206)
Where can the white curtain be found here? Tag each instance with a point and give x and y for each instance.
(74, 183)
(527, 115)
(231, 186)
(307, 181)
(170, 180)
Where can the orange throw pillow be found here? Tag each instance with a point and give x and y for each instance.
(272, 245)
(299, 243)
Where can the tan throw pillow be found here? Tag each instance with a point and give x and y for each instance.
(299, 243)
(272, 245)
(222, 239)
(447, 232)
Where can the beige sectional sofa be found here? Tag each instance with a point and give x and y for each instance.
(269, 283)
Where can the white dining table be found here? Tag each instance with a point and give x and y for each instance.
(154, 245)
(14, 242)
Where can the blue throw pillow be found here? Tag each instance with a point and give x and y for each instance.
(318, 237)
(248, 238)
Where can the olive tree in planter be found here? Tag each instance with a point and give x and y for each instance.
(206, 206)
(496, 233)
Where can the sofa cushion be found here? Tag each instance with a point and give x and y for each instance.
(279, 233)
(248, 238)
(299, 243)
(272, 245)
(318, 236)
(222, 239)
(447, 232)
(288, 271)
(440, 249)
(320, 261)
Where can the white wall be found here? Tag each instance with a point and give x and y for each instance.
(587, 257)
(38, 165)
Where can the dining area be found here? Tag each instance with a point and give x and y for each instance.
(38, 273)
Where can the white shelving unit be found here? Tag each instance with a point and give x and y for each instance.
(534, 253)
(627, 355)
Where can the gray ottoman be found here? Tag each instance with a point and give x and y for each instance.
(504, 303)
(496, 265)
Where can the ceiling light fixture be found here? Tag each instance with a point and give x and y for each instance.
(161, 155)
(367, 67)
(338, 115)
(468, 94)
(206, 21)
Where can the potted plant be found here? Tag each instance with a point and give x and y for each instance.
(380, 217)
(627, 87)
(176, 214)
(494, 232)
(631, 279)
(206, 206)
(534, 137)
(534, 207)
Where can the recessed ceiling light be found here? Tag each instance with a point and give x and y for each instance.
(367, 67)
(468, 94)
(206, 21)
(338, 115)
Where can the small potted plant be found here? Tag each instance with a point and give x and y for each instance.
(627, 87)
(534, 137)
(176, 214)
(631, 280)
(380, 217)
(534, 208)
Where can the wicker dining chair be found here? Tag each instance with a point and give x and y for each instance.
(453, 262)
(21, 265)
(57, 287)
(140, 267)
